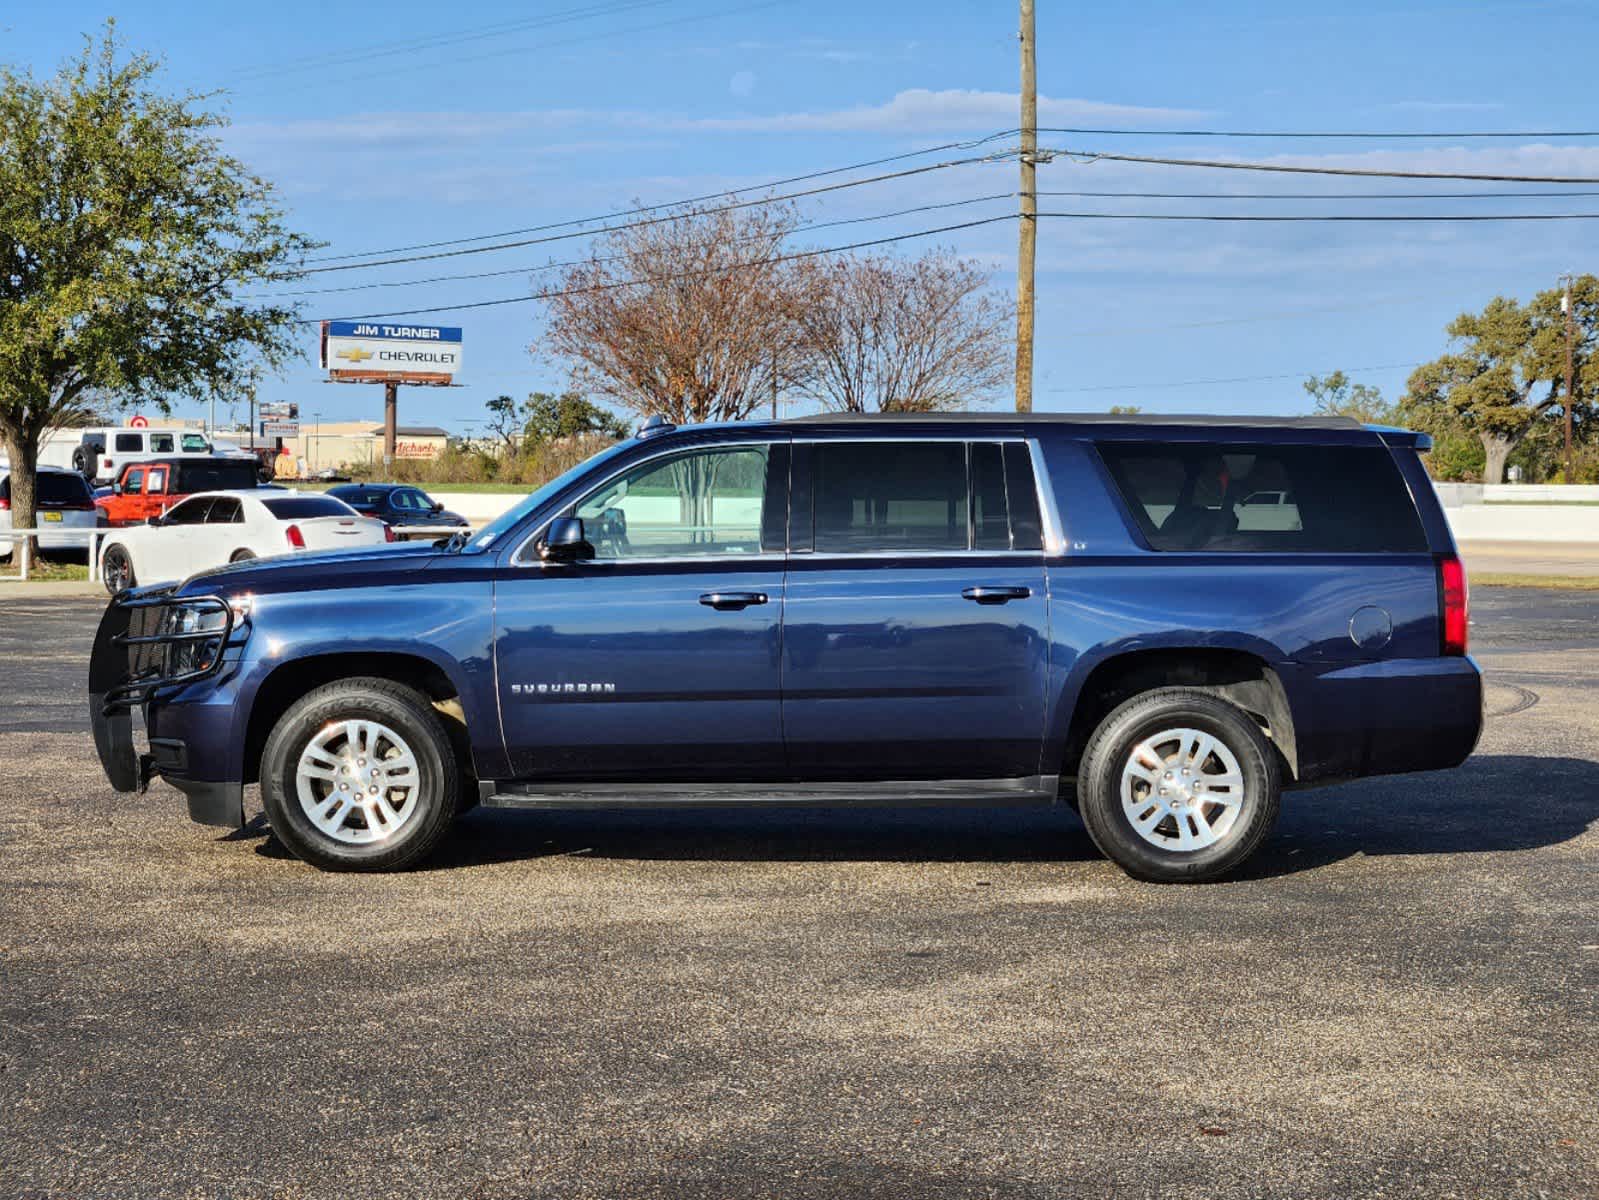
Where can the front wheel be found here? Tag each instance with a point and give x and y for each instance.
(359, 775)
(1178, 786)
(116, 569)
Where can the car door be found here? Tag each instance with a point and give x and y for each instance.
(155, 497)
(657, 659)
(915, 629)
(173, 549)
(222, 533)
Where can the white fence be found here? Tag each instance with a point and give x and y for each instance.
(17, 540)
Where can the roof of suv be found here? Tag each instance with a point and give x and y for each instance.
(1080, 418)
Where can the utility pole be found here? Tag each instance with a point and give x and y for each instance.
(391, 408)
(1571, 322)
(1027, 235)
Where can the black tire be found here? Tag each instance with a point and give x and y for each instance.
(81, 464)
(116, 569)
(407, 713)
(241, 556)
(1147, 716)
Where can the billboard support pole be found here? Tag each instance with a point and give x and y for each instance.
(391, 406)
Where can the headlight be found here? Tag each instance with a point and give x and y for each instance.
(196, 653)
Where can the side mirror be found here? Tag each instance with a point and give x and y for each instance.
(564, 541)
(435, 507)
(152, 520)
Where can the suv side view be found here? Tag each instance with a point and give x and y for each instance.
(837, 610)
(147, 489)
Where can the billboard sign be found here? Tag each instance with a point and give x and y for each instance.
(279, 411)
(380, 352)
(277, 429)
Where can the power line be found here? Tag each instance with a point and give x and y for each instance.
(651, 208)
(1149, 387)
(1374, 135)
(576, 262)
(1540, 195)
(311, 62)
(1309, 217)
(624, 283)
(1105, 156)
(411, 69)
(561, 237)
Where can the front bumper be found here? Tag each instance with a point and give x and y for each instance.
(128, 667)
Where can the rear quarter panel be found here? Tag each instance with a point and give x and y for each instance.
(1356, 710)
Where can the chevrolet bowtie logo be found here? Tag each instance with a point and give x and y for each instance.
(354, 354)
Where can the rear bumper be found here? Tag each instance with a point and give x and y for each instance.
(1388, 718)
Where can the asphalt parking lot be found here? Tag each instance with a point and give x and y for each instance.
(1398, 999)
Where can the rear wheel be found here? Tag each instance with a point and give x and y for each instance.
(359, 775)
(116, 569)
(241, 556)
(1178, 786)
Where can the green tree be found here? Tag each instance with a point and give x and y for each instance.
(1507, 372)
(127, 241)
(548, 418)
(503, 421)
(1337, 395)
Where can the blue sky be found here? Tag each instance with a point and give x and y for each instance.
(499, 115)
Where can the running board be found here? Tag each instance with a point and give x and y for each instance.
(1029, 789)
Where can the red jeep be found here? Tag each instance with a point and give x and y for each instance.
(148, 489)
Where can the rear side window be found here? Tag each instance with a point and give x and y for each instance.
(225, 510)
(130, 443)
(876, 496)
(1206, 497)
(299, 508)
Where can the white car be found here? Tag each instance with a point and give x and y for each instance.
(62, 500)
(210, 529)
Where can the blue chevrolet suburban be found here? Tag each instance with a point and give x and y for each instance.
(1161, 621)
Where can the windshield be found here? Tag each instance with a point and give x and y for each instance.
(485, 537)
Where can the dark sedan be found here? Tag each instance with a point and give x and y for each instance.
(396, 504)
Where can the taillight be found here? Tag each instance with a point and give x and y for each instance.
(1454, 602)
(388, 533)
(107, 464)
(296, 538)
(5, 505)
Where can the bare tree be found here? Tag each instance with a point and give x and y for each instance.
(687, 317)
(880, 333)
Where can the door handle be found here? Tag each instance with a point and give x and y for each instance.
(995, 595)
(732, 601)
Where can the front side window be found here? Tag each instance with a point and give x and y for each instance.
(133, 481)
(889, 496)
(1327, 499)
(707, 502)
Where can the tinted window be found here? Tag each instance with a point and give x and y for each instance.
(190, 512)
(225, 510)
(990, 509)
(709, 502)
(130, 442)
(53, 489)
(296, 508)
(889, 496)
(215, 476)
(1341, 499)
